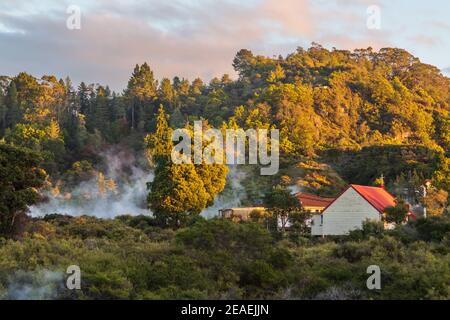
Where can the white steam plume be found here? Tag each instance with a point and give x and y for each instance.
(231, 197)
(34, 285)
(86, 199)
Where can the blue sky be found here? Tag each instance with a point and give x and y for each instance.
(199, 38)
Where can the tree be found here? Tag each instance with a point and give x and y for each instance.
(20, 179)
(83, 98)
(141, 90)
(179, 190)
(177, 119)
(243, 63)
(214, 179)
(166, 93)
(13, 113)
(159, 144)
(435, 201)
(284, 207)
(99, 119)
(176, 193)
(3, 112)
(197, 87)
(396, 214)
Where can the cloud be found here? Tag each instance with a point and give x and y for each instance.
(188, 38)
(176, 39)
(425, 40)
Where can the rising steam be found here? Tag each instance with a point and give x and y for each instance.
(34, 285)
(232, 196)
(126, 193)
(130, 191)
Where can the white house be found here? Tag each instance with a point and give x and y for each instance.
(348, 211)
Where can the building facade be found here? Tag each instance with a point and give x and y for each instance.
(348, 211)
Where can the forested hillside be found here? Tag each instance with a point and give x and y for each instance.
(332, 107)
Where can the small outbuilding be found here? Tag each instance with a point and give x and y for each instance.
(313, 203)
(240, 214)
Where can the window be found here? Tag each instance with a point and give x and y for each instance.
(321, 219)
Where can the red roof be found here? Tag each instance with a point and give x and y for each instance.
(310, 200)
(378, 197)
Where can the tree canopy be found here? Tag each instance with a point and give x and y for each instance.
(20, 179)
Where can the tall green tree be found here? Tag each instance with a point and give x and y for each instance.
(396, 214)
(3, 112)
(141, 91)
(83, 98)
(13, 113)
(284, 207)
(20, 177)
(179, 191)
(159, 144)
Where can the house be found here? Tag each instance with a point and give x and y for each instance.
(348, 211)
(239, 214)
(309, 202)
(313, 203)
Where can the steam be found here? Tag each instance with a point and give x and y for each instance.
(232, 196)
(127, 197)
(295, 189)
(35, 285)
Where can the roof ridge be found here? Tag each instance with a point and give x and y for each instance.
(373, 199)
(312, 195)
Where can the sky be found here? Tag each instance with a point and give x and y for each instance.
(199, 38)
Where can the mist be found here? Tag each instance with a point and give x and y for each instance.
(129, 196)
(294, 189)
(231, 196)
(34, 285)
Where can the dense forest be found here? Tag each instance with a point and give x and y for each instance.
(367, 117)
(321, 100)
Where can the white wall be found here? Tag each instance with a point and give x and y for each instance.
(316, 226)
(347, 213)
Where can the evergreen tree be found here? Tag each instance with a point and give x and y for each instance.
(3, 112)
(101, 113)
(179, 190)
(159, 144)
(177, 119)
(166, 94)
(20, 178)
(13, 113)
(283, 207)
(396, 214)
(83, 98)
(141, 92)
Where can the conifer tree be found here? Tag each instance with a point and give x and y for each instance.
(141, 92)
(3, 111)
(20, 177)
(179, 190)
(13, 114)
